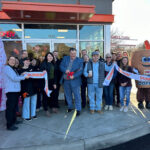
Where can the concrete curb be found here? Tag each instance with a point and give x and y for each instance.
(99, 142)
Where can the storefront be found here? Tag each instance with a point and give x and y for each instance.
(42, 27)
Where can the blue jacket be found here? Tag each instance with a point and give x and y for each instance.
(12, 80)
(77, 68)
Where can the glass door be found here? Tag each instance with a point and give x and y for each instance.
(63, 46)
(37, 48)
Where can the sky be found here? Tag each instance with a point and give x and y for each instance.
(132, 18)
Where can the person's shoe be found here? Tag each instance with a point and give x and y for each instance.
(34, 117)
(126, 109)
(78, 113)
(69, 110)
(47, 113)
(147, 105)
(18, 122)
(18, 114)
(28, 119)
(110, 107)
(99, 111)
(92, 111)
(122, 107)
(12, 128)
(55, 110)
(140, 105)
(38, 109)
(106, 107)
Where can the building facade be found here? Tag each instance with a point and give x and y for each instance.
(40, 26)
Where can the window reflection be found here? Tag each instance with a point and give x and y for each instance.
(91, 32)
(35, 50)
(13, 48)
(10, 31)
(92, 46)
(46, 31)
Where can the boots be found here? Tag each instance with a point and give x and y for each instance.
(147, 105)
(140, 105)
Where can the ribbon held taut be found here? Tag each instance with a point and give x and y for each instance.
(40, 75)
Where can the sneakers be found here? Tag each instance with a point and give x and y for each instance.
(125, 109)
(110, 107)
(54, 110)
(106, 107)
(122, 108)
(47, 113)
(99, 111)
(92, 111)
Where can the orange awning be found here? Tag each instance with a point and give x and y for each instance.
(28, 11)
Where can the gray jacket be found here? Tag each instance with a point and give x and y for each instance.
(101, 73)
(11, 80)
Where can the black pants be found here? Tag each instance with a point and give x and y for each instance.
(83, 94)
(51, 101)
(11, 105)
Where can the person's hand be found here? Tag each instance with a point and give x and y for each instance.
(67, 71)
(124, 84)
(27, 77)
(44, 71)
(89, 75)
(54, 86)
(72, 77)
(23, 73)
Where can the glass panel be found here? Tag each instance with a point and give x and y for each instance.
(45, 31)
(63, 48)
(13, 48)
(10, 31)
(90, 32)
(92, 46)
(35, 50)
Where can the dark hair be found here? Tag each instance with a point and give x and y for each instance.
(122, 66)
(72, 49)
(55, 51)
(45, 59)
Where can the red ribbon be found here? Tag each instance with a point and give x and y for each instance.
(69, 74)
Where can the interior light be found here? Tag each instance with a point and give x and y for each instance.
(27, 37)
(17, 29)
(60, 37)
(62, 30)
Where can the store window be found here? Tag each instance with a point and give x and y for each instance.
(10, 31)
(13, 48)
(91, 32)
(92, 46)
(46, 31)
(37, 50)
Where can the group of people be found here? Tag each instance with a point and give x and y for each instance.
(74, 74)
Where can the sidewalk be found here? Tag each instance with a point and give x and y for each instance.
(88, 132)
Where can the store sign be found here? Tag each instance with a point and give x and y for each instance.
(8, 34)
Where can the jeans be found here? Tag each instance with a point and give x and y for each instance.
(93, 89)
(125, 91)
(83, 94)
(108, 94)
(29, 107)
(69, 90)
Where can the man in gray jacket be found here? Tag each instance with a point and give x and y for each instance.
(95, 72)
